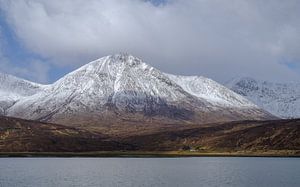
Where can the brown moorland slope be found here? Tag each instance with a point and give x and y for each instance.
(276, 136)
(18, 135)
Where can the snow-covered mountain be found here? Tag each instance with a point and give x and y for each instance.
(122, 88)
(280, 99)
(13, 89)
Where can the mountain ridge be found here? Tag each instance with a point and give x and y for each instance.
(280, 99)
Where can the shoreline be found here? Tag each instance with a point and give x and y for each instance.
(146, 154)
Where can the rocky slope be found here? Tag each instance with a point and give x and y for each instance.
(280, 99)
(123, 89)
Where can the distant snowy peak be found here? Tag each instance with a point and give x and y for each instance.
(12, 89)
(280, 99)
(211, 91)
(21, 87)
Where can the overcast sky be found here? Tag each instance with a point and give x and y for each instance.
(42, 40)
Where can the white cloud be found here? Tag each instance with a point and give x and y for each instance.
(219, 39)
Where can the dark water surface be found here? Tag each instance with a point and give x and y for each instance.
(203, 171)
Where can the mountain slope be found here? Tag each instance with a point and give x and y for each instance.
(123, 89)
(280, 99)
(211, 91)
(13, 89)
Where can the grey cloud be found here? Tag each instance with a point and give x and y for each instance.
(34, 71)
(218, 39)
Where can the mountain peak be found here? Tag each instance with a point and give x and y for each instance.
(107, 68)
(118, 59)
(241, 80)
(121, 55)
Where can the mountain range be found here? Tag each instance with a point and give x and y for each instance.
(122, 89)
(119, 103)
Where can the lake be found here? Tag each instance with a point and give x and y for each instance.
(202, 171)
